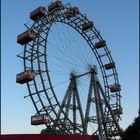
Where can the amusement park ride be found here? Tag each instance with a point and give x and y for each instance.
(66, 114)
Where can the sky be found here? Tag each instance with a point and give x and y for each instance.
(118, 23)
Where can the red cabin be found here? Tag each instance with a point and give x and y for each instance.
(109, 65)
(55, 6)
(72, 12)
(40, 119)
(37, 13)
(25, 77)
(100, 44)
(87, 26)
(115, 88)
(25, 37)
(117, 111)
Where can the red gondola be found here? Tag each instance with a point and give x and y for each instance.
(109, 65)
(25, 37)
(100, 44)
(55, 6)
(37, 13)
(117, 111)
(87, 26)
(25, 77)
(115, 88)
(72, 12)
(40, 119)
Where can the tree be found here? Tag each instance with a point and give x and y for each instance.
(132, 132)
(51, 130)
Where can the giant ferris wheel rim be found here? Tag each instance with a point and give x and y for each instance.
(61, 17)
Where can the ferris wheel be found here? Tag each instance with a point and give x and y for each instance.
(70, 73)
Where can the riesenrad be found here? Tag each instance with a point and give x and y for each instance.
(70, 73)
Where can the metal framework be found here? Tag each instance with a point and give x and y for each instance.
(43, 95)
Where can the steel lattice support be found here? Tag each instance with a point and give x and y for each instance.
(107, 130)
(71, 105)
